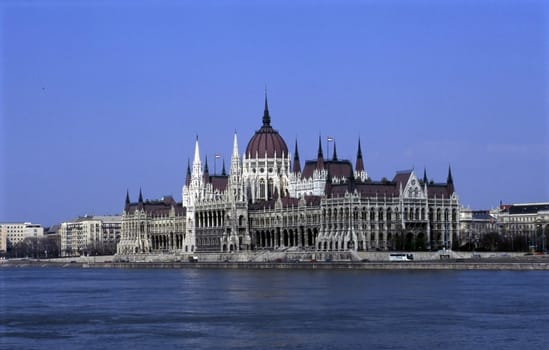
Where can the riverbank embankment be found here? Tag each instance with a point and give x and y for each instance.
(514, 263)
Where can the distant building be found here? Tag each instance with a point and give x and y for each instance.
(152, 226)
(527, 223)
(17, 231)
(3, 241)
(90, 235)
(268, 202)
(474, 225)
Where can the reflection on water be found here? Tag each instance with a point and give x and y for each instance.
(271, 309)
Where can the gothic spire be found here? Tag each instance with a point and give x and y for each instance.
(196, 151)
(235, 158)
(320, 156)
(335, 152)
(425, 175)
(188, 178)
(235, 146)
(140, 201)
(223, 172)
(197, 164)
(127, 205)
(206, 173)
(266, 116)
(359, 165)
(450, 180)
(297, 165)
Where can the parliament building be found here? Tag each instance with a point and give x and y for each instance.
(270, 200)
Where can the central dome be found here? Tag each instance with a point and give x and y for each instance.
(266, 141)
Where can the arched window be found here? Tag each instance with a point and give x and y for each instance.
(270, 189)
(262, 189)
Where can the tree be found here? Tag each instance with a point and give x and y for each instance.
(490, 241)
(35, 247)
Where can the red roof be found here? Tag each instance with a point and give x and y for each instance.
(158, 207)
(219, 182)
(265, 143)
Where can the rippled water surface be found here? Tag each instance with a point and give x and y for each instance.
(51, 308)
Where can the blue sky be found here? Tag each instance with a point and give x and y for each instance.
(98, 97)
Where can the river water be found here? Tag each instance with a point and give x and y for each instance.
(71, 308)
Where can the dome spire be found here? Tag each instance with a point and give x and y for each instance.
(266, 116)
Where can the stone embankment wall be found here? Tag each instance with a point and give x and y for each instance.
(304, 256)
(447, 265)
(442, 260)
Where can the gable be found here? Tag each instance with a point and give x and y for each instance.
(413, 188)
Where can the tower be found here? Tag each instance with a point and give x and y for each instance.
(360, 172)
(266, 162)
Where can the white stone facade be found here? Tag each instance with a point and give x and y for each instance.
(528, 221)
(3, 241)
(265, 203)
(79, 236)
(17, 232)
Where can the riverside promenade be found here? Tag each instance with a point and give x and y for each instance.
(446, 260)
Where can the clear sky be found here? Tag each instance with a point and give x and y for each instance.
(98, 97)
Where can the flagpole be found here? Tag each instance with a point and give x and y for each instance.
(328, 140)
(216, 157)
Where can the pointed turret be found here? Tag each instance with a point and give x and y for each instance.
(235, 146)
(188, 178)
(335, 152)
(197, 164)
(196, 151)
(127, 206)
(359, 166)
(319, 153)
(360, 173)
(297, 165)
(320, 156)
(235, 186)
(450, 180)
(425, 175)
(206, 172)
(223, 172)
(140, 201)
(235, 158)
